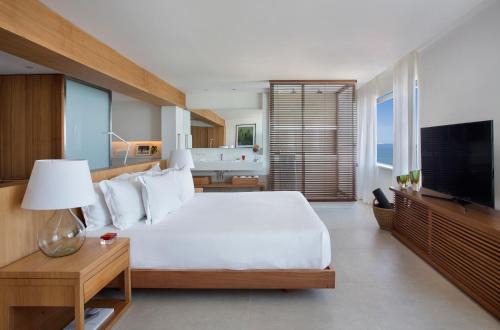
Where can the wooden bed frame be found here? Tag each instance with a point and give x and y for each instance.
(234, 279)
(154, 278)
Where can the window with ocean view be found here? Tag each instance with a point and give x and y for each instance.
(385, 129)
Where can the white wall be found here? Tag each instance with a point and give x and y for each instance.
(236, 107)
(175, 128)
(135, 120)
(224, 100)
(199, 123)
(459, 77)
(241, 117)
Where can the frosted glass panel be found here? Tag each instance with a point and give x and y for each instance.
(87, 119)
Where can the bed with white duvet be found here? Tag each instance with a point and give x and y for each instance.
(234, 231)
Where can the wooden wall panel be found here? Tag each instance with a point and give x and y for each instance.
(5, 127)
(19, 227)
(31, 110)
(30, 30)
(199, 136)
(203, 135)
(220, 136)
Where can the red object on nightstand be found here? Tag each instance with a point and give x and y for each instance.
(108, 238)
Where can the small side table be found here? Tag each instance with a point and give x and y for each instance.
(39, 291)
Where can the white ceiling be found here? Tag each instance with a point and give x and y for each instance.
(225, 44)
(10, 64)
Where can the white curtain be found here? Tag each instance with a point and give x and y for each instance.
(406, 129)
(367, 137)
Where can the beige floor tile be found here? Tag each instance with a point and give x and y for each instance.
(380, 285)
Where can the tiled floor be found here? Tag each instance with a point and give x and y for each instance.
(380, 285)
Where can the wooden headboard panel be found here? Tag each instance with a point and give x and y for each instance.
(19, 227)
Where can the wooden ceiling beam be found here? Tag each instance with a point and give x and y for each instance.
(31, 30)
(208, 116)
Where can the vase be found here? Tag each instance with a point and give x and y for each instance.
(402, 181)
(63, 234)
(415, 179)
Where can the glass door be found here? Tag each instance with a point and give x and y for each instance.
(87, 119)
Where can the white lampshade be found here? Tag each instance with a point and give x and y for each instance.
(57, 184)
(181, 158)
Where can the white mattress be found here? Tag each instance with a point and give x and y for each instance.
(247, 230)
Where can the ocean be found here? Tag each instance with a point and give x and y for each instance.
(384, 153)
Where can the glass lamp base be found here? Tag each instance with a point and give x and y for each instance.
(63, 235)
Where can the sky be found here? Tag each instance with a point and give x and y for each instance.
(384, 122)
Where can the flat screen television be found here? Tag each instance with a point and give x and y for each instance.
(457, 160)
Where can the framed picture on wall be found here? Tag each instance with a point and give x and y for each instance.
(245, 135)
(143, 150)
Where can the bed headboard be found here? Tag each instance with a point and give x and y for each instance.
(19, 227)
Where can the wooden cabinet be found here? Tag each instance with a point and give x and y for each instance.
(199, 136)
(216, 135)
(461, 243)
(31, 127)
(208, 137)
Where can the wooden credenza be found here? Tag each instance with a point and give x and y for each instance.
(463, 244)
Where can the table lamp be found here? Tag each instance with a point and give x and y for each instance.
(59, 184)
(181, 158)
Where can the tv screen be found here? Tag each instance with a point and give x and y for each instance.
(457, 160)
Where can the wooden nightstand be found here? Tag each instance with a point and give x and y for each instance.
(41, 292)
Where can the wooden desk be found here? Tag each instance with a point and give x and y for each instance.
(38, 291)
(229, 185)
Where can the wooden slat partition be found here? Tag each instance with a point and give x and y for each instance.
(313, 138)
(19, 227)
(462, 244)
(30, 30)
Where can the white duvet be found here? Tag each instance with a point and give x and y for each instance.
(247, 230)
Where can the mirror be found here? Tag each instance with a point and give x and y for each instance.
(232, 128)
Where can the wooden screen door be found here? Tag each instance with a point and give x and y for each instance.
(312, 127)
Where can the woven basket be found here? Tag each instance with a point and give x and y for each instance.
(201, 180)
(236, 180)
(384, 216)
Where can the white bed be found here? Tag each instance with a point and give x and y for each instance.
(235, 231)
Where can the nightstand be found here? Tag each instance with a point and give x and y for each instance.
(42, 292)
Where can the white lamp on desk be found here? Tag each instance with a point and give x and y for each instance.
(124, 141)
(59, 184)
(181, 158)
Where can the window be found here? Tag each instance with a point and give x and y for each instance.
(385, 138)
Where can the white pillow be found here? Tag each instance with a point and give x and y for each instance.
(154, 170)
(124, 201)
(184, 180)
(97, 215)
(160, 196)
